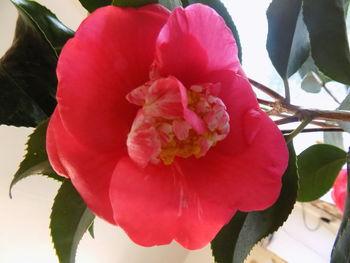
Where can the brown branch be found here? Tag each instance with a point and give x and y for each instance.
(279, 107)
(315, 130)
(266, 90)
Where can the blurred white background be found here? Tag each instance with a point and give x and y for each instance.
(24, 233)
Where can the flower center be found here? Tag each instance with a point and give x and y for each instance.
(175, 121)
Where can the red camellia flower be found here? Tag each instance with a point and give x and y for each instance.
(339, 189)
(158, 128)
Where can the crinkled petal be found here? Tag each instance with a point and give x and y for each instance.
(240, 101)
(109, 56)
(90, 171)
(154, 205)
(188, 52)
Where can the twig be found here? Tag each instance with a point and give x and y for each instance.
(266, 90)
(330, 93)
(315, 130)
(299, 129)
(327, 115)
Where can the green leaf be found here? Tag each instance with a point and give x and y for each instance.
(318, 167)
(92, 5)
(133, 3)
(341, 248)
(325, 21)
(91, 230)
(46, 23)
(223, 245)
(235, 240)
(28, 69)
(311, 83)
(27, 78)
(36, 159)
(70, 219)
(220, 8)
(309, 66)
(287, 40)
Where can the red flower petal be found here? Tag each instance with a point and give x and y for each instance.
(194, 42)
(247, 181)
(339, 190)
(90, 171)
(109, 56)
(146, 201)
(239, 98)
(154, 206)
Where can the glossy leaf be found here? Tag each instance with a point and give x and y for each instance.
(28, 69)
(92, 5)
(133, 3)
(46, 23)
(36, 160)
(309, 66)
(220, 8)
(235, 241)
(325, 22)
(318, 167)
(287, 40)
(341, 248)
(70, 219)
(311, 83)
(27, 78)
(223, 245)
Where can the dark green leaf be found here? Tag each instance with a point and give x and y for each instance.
(133, 3)
(235, 240)
(224, 243)
(341, 248)
(287, 40)
(92, 5)
(70, 218)
(35, 160)
(28, 69)
(325, 22)
(309, 66)
(311, 83)
(222, 11)
(46, 23)
(27, 78)
(318, 167)
(260, 224)
(91, 230)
